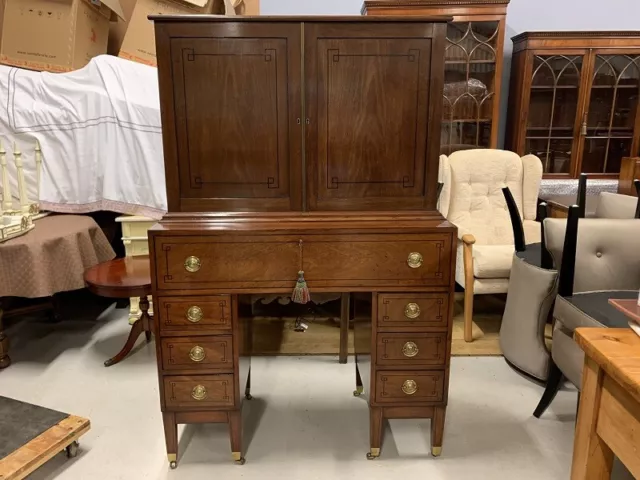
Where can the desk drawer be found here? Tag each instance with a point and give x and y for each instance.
(181, 353)
(327, 260)
(410, 386)
(193, 314)
(409, 349)
(199, 391)
(417, 310)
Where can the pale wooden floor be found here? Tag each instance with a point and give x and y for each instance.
(276, 335)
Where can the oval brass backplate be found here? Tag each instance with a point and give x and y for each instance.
(199, 392)
(194, 314)
(412, 310)
(192, 264)
(414, 260)
(410, 349)
(409, 387)
(197, 354)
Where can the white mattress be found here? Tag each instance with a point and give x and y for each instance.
(100, 134)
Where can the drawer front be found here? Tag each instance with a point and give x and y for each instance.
(273, 261)
(199, 391)
(418, 310)
(194, 313)
(410, 387)
(428, 349)
(197, 352)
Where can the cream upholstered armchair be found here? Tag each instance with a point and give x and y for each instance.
(472, 199)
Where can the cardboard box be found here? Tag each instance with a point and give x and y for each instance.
(118, 29)
(54, 35)
(139, 42)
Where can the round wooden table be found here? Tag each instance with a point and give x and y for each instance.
(124, 278)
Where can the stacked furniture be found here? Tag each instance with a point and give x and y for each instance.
(573, 101)
(135, 239)
(472, 199)
(301, 149)
(473, 66)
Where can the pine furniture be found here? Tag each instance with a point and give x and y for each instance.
(609, 412)
(473, 66)
(573, 101)
(301, 147)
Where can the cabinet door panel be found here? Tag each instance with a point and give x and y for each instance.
(370, 97)
(236, 100)
(554, 104)
(612, 112)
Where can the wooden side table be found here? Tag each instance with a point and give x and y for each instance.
(609, 413)
(124, 278)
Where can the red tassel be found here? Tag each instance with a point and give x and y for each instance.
(301, 291)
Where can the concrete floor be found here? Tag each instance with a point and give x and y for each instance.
(303, 424)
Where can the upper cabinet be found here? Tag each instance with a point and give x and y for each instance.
(473, 66)
(574, 101)
(291, 114)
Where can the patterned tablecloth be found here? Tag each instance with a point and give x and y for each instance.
(52, 257)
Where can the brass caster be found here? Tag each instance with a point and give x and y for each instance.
(436, 451)
(238, 458)
(373, 454)
(241, 461)
(248, 396)
(358, 391)
(173, 465)
(72, 450)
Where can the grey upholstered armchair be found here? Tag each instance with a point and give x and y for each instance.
(603, 262)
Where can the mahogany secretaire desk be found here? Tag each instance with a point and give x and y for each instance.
(301, 145)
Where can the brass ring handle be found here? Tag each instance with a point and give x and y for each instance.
(410, 349)
(194, 314)
(414, 260)
(192, 264)
(199, 392)
(409, 387)
(412, 310)
(197, 354)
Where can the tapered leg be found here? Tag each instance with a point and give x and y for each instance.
(437, 430)
(592, 457)
(359, 388)
(375, 432)
(171, 438)
(235, 434)
(554, 382)
(247, 388)
(344, 328)
(5, 360)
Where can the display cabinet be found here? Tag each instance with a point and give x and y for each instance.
(574, 100)
(473, 66)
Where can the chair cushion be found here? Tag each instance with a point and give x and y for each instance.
(492, 261)
(591, 309)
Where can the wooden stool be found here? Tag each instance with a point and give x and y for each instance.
(124, 278)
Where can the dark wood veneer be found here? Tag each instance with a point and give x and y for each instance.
(301, 143)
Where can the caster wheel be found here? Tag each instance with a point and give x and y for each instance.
(240, 462)
(72, 450)
(356, 393)
(248, 396)
(173, 465)
(371, 457)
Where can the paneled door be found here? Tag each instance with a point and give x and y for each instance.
(237, 117)
(611, 117)
(553, 110)
(372, 102)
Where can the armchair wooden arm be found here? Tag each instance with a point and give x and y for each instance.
(467, 254)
